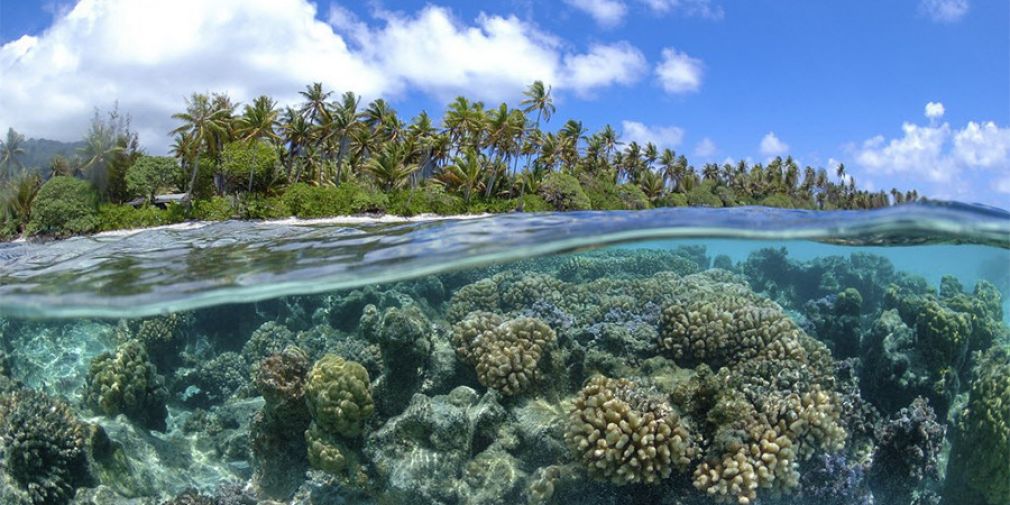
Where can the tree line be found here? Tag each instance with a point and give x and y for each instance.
(477, 152)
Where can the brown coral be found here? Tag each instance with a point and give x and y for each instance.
(626, 435)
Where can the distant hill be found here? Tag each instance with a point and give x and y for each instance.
(38, 152)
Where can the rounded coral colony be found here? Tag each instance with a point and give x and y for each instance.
(605, 377)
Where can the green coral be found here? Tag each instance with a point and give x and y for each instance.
(979, 467)
(338, 395)
(42, 450)
(126, 382)
(339, 399)
(626, 434)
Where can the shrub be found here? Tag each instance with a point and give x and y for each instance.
(150, 174)
(563, 192)
(216, 208)
(632, 197)
(702, 196)
(428, 198)
(263, 207)
(672, 200)
(64, 206)
(777, 200)
(307, 201)
(534, 203)
(124, 217)
(240, 160)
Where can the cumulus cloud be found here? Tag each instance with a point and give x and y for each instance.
(606, 13)
(678, 72)
(772, 146)
(951, 162)
(662, 136)
(603, 65)
(944, 11)
(934, 110)
(697, 8)
(705, 148)
(149, 55)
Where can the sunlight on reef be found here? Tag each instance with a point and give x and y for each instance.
(619, 376)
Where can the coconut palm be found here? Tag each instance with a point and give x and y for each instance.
(465, 173)
(11, 150)
(17, 197)
(259, 121)
(389, 166)
(204, 124)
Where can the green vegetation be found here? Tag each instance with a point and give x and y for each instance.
(150, 174)
(64, 206)
(330, 156)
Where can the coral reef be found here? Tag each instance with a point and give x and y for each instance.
(908, 452)
(339, 399)
(279, 451)
(507, 355)
(625, 434)
(979, 468)
(42, 450)
(126, 382)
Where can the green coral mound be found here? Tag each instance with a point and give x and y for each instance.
(626, 434)
(42, 450)
(506, 354)
(126, 382)
(979, 467)
(340, 399)
(338, 395)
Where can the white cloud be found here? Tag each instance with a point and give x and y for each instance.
(772, 146)
(982, 145)
(603, 65)
(149, 55)
(606, 13)
(934, 110)
(705, 148)
(662, 136)
(678, 72)
(940, 160)
(944, 11)
(698, 8)
(1003, 185)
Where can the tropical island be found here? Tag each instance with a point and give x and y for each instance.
(333, 156)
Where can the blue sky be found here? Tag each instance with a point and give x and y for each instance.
(823, 81)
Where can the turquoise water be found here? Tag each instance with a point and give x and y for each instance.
(680, 356)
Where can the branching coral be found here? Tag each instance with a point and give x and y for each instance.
(625, 434)
(506, 355)
(908, 451)
(41, 450)
(126, 382)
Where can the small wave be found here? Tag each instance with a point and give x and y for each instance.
(144, 272)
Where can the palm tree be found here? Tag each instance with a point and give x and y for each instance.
(389, 166)
(259, 121)
(538, 98)
(17, 198)
(11, 150)
(315, 107)
(652, 185)
(464, 174)
(203, 124)
(100, 148)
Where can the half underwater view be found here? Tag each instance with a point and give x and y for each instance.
(744, 356)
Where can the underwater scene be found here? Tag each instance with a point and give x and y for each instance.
(688, 357)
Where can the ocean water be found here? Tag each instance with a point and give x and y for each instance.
(676, 356)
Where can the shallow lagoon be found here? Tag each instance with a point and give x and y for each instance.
(692, 368)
